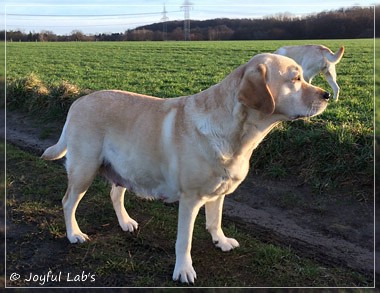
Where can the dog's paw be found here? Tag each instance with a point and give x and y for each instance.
(184, 273)
(78, 237)
(129, 225)
(226, 244)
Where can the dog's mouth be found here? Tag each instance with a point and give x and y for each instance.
(315, 109)
(298, 117)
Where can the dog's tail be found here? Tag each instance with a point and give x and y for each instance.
(58, 150)
(335, 58)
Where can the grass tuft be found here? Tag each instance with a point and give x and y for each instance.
(31, 94)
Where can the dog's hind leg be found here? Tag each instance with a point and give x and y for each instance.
(214, 222)
(80, 178)
(125, 221)
(330, 75)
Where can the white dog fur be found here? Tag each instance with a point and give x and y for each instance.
(315, 59)
(192, 149)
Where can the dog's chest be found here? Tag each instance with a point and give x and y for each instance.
(229, 175)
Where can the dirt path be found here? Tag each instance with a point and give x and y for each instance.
(335, 229)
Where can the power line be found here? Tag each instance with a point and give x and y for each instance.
(90, 25)
(88, 15)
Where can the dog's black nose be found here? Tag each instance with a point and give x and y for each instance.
(326, 96)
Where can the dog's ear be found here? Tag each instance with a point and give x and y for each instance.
(254, 91)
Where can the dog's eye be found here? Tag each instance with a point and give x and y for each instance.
(297, 78)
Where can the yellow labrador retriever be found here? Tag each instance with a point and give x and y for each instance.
(192, 149)
(315, 59)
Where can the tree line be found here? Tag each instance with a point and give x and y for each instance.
(355, 22)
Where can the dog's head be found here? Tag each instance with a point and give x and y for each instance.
(274, 85)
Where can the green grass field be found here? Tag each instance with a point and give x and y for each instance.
(332, 151)
(327, 151)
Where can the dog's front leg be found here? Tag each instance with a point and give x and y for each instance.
(214, 211)
(188, 210)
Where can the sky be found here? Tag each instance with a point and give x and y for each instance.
(117, 16)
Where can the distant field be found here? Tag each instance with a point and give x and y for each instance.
(163, 69)
(327, 151)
